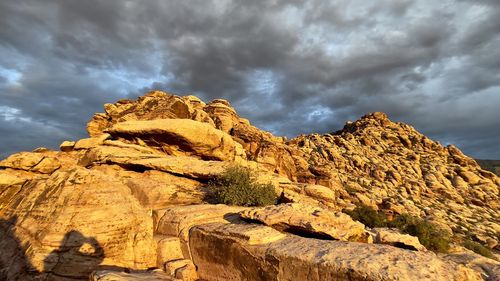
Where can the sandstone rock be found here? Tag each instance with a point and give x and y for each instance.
(394, 238)
(22, 160)
(219, 254)
(223, 114)
(30, 161)
(317, 222)
(179, 165)
(75, 221)
(168, 249)
(320, 192)
(177, 221)
(111, 275)
(7, 179)
(489, 268)
(187, 273)
(108, 196)
(47, 165)
(11, 183)
(158, 190)
(182, 269)
(67, 146)
(385, 159)
(91, 142)
(180, 137)
(138, 148)
(153, 105)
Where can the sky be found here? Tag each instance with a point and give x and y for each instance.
(291, 67)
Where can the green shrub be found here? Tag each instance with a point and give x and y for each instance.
(429, 234)
(478, 248)
(368, 216)
(235, 186)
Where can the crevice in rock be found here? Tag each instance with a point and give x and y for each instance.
(133, 167)
(404, 246)
(299, 231)
(295, 230)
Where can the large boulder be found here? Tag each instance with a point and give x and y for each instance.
(397, 239)
(223, 252)
(185, 166)
(73, 223)
(308, 220)
(179, 137)
(31, 161)
(153, 105)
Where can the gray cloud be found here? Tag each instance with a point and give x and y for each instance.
(290, 67)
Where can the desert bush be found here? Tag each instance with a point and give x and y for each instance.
(236, 186)
(368, 216)
(478, 248)
(429, 234)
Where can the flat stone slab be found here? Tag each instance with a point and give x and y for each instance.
(221, 253)
(309, 220)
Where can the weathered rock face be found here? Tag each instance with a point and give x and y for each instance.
(179, 137)
(297, 258)
(309, 220)
(393, 167)
(489, 269)
(74, 221)
(124, 197)
(110, 275)
(394, 238)
(372, 161)
(32, 162)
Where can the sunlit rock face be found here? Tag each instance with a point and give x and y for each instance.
(133, 197)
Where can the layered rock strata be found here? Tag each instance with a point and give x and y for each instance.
(127, 199)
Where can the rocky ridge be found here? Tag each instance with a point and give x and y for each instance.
(128, 199)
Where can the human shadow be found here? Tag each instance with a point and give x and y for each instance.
(76, 257)
(14, 264)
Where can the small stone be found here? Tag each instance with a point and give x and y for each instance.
(67, 146)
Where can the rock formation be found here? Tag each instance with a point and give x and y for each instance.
(131, 197)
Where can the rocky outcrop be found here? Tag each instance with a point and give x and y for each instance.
(32, 162)
(298, 258)
(393, 237)
(112, 275)
(132, 196)
(371, 161)
(308, 221)
(74, 221)
(179, 137)
(185, 166)
(489, 268)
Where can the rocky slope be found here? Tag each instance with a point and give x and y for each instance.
(127, 199)
(490, 165)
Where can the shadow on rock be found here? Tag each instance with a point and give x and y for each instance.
(76, 257)
(14, 265)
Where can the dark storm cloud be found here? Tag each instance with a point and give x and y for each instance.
(289, 66)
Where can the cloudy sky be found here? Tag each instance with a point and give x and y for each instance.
(291, 67)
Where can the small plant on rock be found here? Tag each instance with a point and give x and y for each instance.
(478, 249)
(368, 216)
(429, 234)
(236, 186)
